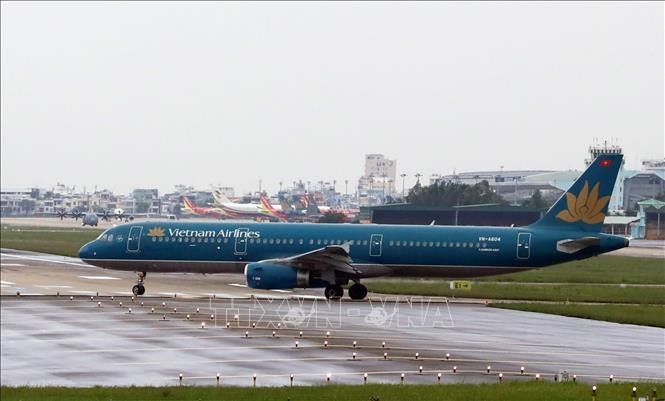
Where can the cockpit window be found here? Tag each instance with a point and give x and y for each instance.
(110, 237)
(104, 235)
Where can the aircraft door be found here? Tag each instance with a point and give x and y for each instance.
(134, 239)
(241, 242)
(375, 245)
(523, 245)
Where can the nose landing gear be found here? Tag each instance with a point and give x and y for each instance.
(139, 289)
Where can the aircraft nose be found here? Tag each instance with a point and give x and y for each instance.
(87, 252)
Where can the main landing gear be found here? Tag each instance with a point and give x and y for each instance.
(139, 289)
(356, 291)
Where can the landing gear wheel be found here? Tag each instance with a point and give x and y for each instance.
(334, 292)
(357, 291)
(139, 289)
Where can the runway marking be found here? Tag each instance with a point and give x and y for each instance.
(178, 294)
(83, 292)
(6, 282)
(45, 260)
(238, 285)
(11, 264)
(54, 286)
(124, 293)
(287, 291)
(100, 278)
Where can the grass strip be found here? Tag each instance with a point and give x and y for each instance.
(521, 291)
(508, 391)
(65, 241)
(607, 269)
(645, 315)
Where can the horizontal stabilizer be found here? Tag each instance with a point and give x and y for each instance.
(576, 245)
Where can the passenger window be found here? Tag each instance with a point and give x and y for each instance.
(219, 240)
(290, 241)
(270, 241)
(365, 242)
(311, 242)
(199, 240)
(410, 243)
(251, 240)
(186, 239)
(437, 244)
(477, 244)
(318, 242)
(160, 239)
(103, 237)
(417, 243)
(179, 239)
(300, 241)
(457, 245)
(351, 242)
(484, 245)
(390, 243)
(205, 239)
(277, 241)
(444, 244)
(226, 240)
(463, 244)
(431, 243)
(325, 242)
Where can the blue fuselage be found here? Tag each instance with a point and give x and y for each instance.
(376, 250)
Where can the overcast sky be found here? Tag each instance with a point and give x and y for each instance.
(125, 95)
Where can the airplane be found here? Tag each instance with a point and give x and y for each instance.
(292, 255)
(91, 218)
(242, 210)
(213, 212)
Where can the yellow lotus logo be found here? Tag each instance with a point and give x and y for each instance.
(156, 232)
(586, 206)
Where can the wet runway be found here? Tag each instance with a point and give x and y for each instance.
(73, 339)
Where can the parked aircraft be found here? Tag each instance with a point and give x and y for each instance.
(91, 218)
(282, 256)
(212, 212)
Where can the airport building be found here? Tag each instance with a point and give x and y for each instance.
(378, 180)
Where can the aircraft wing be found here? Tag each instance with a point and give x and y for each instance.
(331, 257)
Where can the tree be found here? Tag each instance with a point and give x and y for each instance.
(448, 194)
(333, 217)
(28, 205)
(536, 201)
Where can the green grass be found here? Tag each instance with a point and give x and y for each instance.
(520, 291)
(509, 391)
(646, 315)
(58, 241)
(602, 269)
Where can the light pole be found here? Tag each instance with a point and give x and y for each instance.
(346, 188)
(403, 175)
(418, 175)
(280, 186)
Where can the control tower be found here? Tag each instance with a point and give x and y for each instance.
(606, 148)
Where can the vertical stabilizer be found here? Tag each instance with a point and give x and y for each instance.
(584, 206)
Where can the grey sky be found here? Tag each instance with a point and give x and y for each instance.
(127, 95)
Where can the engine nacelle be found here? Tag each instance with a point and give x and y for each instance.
(272, 276)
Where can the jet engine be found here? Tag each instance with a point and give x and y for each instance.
(273, 276)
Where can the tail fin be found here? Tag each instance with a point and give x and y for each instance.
(219, 197)
(584, 206)
(188, 204)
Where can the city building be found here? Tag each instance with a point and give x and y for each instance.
(378, 180)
